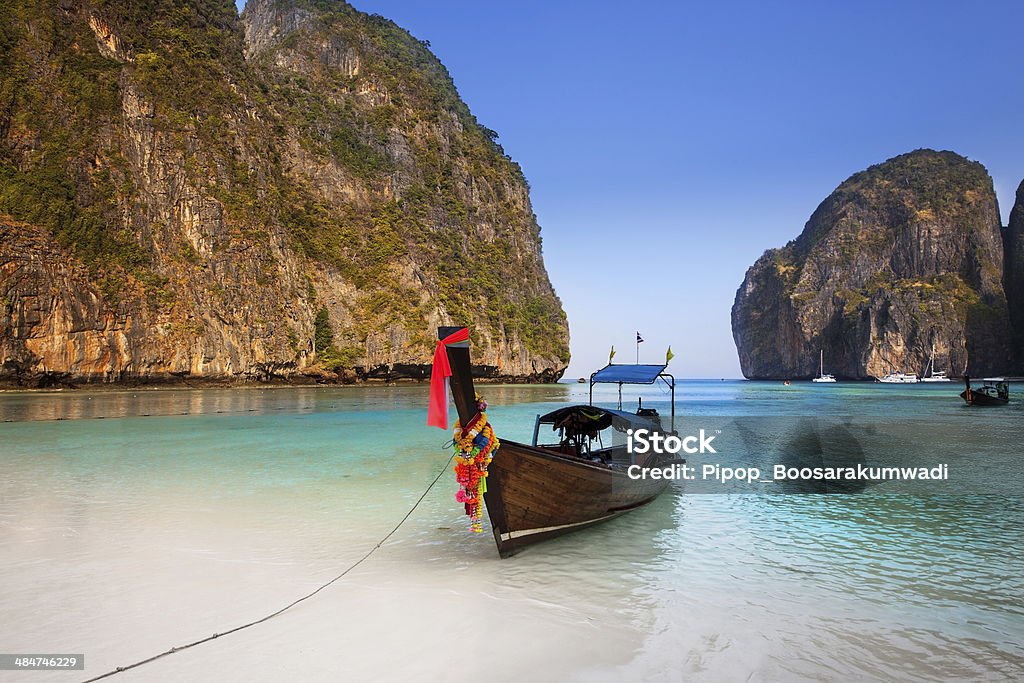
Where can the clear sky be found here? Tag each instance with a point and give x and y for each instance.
(668, 144)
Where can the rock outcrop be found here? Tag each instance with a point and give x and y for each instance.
(295, 193)
(1013, 276)
(900, 257)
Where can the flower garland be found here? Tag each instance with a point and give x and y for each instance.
(474, 449)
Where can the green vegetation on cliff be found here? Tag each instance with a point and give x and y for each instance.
(172, 146)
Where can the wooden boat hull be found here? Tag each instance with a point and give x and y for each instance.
(995, 392)
(534, 494)
(973, 397)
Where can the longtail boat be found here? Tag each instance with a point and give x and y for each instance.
(538, 491)
(995, 392)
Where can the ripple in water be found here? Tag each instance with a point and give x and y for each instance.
(149, 528)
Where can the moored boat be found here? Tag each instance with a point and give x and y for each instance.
(936, 376)
(899, 378)
(931, 374)
(822, 377)
(994, 392)
(538, 491)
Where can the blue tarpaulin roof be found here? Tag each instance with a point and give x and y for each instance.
(628, 374)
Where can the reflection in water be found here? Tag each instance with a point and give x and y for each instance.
(804, 443)
(85, 404)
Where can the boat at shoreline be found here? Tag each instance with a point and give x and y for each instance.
(931, 375)
(995, 392)
(539, 491)
(938, 376)
(822, 377)
(899, 378)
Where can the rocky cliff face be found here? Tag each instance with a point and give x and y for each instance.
(901, 256)
(298, 192)
(1013, 276)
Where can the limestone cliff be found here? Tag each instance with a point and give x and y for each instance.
(1013, 276)
(901, 256)
(297, 192)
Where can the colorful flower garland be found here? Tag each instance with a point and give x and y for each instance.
(474, 448)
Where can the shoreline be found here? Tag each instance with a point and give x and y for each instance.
(219, 383)
(114, 387)
(224, 383)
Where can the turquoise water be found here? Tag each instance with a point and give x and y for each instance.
(186, 512)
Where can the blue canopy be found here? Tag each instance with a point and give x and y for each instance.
(627, 374)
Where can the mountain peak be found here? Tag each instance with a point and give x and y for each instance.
(901, 256)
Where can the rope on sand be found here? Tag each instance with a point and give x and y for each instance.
(179, 648)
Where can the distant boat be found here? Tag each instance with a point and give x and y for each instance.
(582, 380)
(822, 377)
(939, 376)
(995, 392)
(899, 378)
(931, 375)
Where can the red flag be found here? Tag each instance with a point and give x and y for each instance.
(437, 411)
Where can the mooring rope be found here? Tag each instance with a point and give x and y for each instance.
(284, 609)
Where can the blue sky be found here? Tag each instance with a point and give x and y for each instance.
(668, 144)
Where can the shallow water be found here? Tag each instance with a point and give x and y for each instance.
(182, 513)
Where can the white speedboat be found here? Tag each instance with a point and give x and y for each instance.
(899, 378)
(822, 377)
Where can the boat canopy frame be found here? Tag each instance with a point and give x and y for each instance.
(622, 373)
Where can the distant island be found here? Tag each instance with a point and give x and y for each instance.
(296, 194)
(902, 258)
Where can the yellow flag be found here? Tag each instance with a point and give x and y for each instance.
(611, 355)
(669, 356)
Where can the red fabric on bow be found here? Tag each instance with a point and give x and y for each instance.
(437, 411)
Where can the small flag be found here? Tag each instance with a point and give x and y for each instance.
(639, 339)
(611, 355)
(669, 356)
